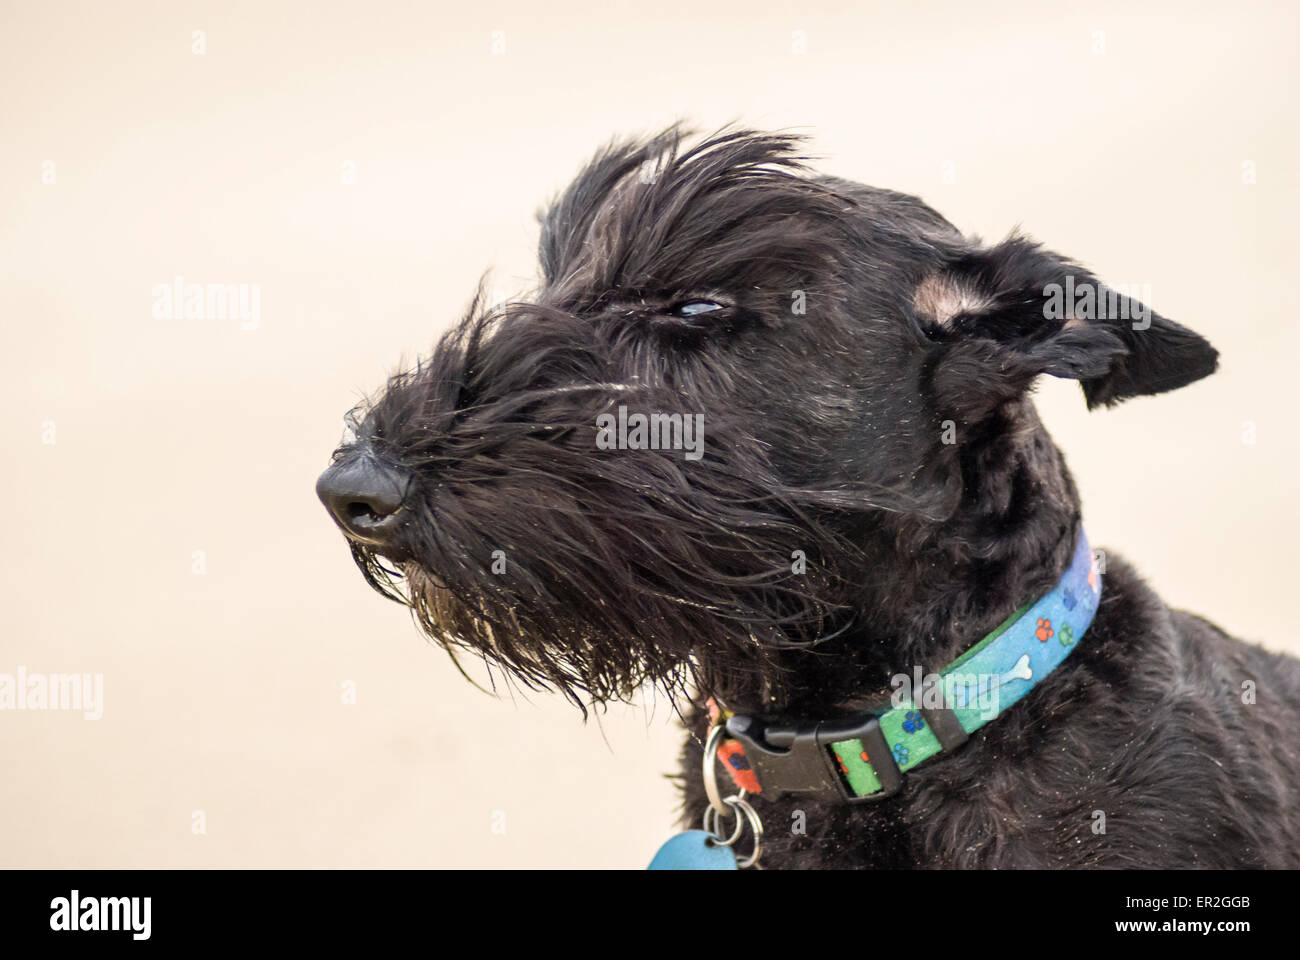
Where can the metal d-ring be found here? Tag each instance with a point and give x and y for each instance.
(734, 804)
(716, 733)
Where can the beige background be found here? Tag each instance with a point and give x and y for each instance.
(1117, 136)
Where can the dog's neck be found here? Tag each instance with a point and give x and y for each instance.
(937, 588)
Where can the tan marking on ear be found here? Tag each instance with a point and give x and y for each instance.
(940, 297)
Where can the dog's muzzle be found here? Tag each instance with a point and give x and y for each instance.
(365, 496)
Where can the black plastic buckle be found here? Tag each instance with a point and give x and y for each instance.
(788, 758)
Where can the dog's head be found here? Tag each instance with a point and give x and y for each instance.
(740, 395)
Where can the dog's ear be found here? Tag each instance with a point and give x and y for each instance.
(1003, 315)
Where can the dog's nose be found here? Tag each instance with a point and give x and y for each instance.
(365, 496)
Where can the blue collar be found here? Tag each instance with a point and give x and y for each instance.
(864, 758)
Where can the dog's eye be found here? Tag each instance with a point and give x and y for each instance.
(694, 308)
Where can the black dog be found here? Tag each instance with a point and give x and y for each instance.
(765, 437)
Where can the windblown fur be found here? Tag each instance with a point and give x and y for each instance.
(857, 332)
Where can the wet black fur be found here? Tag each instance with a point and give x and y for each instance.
(823, 434)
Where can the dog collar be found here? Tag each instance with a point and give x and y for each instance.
(864, 757)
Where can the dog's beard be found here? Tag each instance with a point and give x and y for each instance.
(592, 571)
(683, 585)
